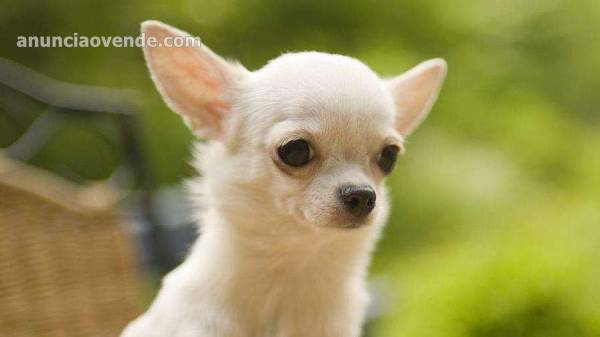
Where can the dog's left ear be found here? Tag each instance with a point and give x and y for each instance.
(193, 80)
(415, 92)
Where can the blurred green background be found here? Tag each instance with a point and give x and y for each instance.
(495, 229)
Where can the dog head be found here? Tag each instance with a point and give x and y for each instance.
(308, 138)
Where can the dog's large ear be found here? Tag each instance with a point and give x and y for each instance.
(415, 92)
(194, 82)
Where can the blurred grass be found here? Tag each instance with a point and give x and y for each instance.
(495, 223)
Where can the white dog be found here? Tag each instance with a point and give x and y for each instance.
(292, 191)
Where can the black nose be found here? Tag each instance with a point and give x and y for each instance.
(358, 200)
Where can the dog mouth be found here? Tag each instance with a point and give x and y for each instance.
(349, 223)
(337, 222)
(352, 225)
(335, 218)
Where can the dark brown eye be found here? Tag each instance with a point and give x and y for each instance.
(387, 158)
(295, 153)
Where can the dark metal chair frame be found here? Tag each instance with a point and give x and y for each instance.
(66, 100)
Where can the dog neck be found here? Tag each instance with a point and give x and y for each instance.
(263, 278)
(290, 251)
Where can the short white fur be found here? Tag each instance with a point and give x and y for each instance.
(277, 255)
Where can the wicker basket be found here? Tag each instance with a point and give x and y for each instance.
(66, 263)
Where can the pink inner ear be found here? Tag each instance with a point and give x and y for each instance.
(414, 93)
(203, 91)
(191, 81)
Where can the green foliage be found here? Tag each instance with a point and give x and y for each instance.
(495, 222)
(538, 278)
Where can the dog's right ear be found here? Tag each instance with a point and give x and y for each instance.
(194, 82)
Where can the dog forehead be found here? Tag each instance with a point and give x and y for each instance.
(315, 62)
(315, 73)
(326, 86)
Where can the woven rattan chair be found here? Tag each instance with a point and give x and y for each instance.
(66, 263)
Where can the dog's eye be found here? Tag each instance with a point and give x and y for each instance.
(387, 158)
(295, 153)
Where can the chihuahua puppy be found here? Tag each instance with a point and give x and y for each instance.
(292, 191)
